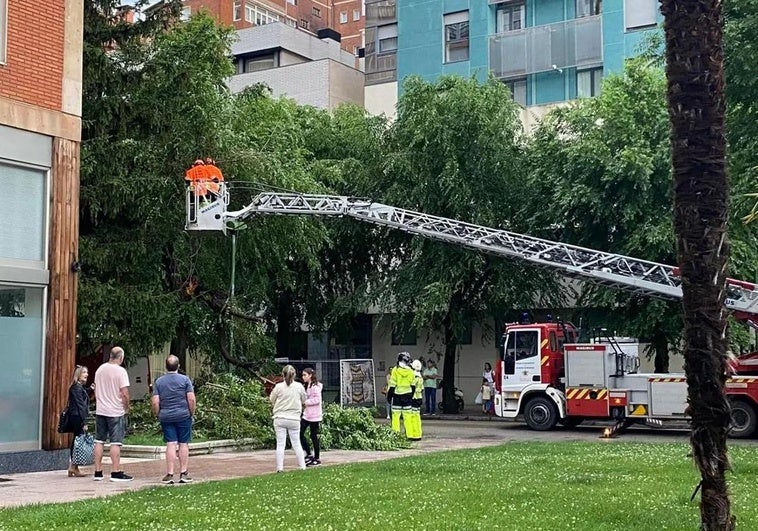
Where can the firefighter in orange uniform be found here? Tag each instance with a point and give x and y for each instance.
(196, 177)
(214, 178)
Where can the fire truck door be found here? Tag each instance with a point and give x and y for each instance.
(521, 360)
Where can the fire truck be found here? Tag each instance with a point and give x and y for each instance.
(543, 373)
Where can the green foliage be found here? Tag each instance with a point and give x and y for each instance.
(229, 407)
(554, 486)
(142, 421)
(232, 407)
(356, 429)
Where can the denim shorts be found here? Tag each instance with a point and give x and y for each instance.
(110, 428)
(180, 432)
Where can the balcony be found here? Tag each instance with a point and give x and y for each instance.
(380, 12)
(567, 44)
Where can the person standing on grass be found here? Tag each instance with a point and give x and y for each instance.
(287, 400)
(112, 405)
(312, 417)
(174, 403)
(78, 407)
(430, 387)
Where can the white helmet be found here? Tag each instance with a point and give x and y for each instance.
(416, 365)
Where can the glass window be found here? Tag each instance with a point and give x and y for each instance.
(259, 15)
(587, 8)
(21, 333)
(403, 332)
(237, 11)
(387, 36)
(343, 17)
(520, 345)
(640, 13)
(356, 15)
(263, 62)
(316, 12)
(510, 17)
(456, 37)
(588, 82)
(518, 90)
(22, 216)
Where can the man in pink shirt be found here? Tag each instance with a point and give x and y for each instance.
(112, 404)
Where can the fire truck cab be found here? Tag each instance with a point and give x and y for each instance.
(529, 374)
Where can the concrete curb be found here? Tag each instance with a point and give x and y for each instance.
(198, 448)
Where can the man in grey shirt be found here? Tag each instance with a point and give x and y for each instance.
(174, 403)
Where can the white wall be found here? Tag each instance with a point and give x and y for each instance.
(469, 363)
(381, 99)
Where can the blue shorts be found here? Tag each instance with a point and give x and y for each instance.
(180, 432)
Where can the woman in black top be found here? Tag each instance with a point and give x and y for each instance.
(78, 411)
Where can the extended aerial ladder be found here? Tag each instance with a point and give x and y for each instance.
(631, 274)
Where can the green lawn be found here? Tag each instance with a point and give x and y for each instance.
(518, 486)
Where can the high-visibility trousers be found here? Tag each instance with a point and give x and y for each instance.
(401, 407)
(413, 424)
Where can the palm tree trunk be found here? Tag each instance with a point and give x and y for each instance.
(695, 72)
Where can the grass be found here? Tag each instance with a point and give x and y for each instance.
(518, 486)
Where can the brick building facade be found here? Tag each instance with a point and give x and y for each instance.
(344, 16)
(40, 132)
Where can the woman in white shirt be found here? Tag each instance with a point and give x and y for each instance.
(488, 374)
(287, 399)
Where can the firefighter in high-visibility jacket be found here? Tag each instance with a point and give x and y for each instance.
(413, 426)
(400, 391)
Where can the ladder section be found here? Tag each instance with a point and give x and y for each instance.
(608, 269)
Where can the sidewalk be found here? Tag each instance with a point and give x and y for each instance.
(57, 487)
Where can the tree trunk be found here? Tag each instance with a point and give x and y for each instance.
(694, 68)
(661, 348)
(180, 343)
(449, 404)
(284, 324)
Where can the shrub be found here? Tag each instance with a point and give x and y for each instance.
(355, 429)
(230, 407)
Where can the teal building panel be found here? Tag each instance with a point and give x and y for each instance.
(421, 42)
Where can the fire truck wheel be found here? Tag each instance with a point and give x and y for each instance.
(744, 419)
(541, 414)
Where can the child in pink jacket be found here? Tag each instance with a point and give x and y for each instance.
(312, 416)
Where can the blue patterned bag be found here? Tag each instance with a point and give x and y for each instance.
(84, 450)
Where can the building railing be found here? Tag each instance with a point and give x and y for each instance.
(380, 68)
(570, 43)
(380, 12)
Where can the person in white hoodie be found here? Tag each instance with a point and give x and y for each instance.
(312, 417)
(287, 399)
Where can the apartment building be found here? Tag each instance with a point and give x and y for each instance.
(346, 17)
(312, 70)
(40, 132)
(546, 51)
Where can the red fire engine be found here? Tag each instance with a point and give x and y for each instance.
(548, 378)
(543, 373)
